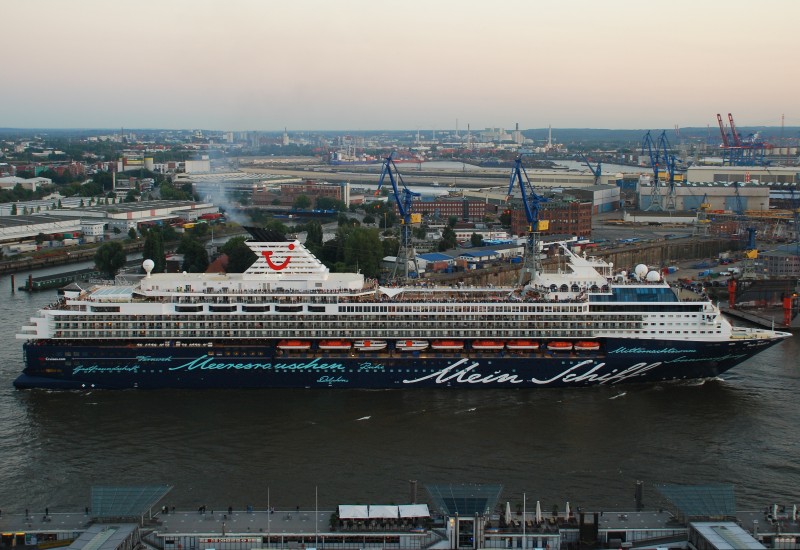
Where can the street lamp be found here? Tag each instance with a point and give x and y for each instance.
(269, 521)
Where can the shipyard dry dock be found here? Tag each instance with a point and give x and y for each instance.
(465, 517)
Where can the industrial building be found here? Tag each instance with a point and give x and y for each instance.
(737, 197)
(782, 262)
(91, 222)
(32, 184)
(15, 229)
(743, 174)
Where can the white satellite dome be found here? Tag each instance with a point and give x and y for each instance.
(640, 271)
(653, 277)
(148, 266)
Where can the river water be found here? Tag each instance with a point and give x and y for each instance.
(221, 448)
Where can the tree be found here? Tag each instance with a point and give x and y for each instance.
(200, 230)
(109, 258)
(363, 251)
(154, 250)
(195, 256)
(448, 239)
(452, 221)
(369, 218)
(132, 233)
(476, 239)
(390, 247)
(14, 209)
(328, 203)
(240, 257)
(40, 238)
(301, 202)
(104, 179)
(314, 237)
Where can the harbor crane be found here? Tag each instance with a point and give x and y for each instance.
(403, 199)
(669, 164)
(530, 202)
(739, 152)
(652, 150)
(596, 172)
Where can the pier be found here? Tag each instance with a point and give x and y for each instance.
(124, 526)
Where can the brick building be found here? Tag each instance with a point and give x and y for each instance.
(290, 191)
(472, 210)
(565, 217)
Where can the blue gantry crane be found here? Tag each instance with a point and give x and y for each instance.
(530, 202)
(596, 171)
(404, 199)
(668, 158)
(651, 148)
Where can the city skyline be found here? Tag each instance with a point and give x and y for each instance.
(359, 65)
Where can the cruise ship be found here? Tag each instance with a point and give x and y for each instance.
(289, 322)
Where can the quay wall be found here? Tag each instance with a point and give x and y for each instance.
(55, 259)
(653, 254)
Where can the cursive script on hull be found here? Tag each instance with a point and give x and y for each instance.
(584, 372)
(209, 362)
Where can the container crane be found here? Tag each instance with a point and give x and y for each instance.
(596, 172)
(722, 131)
(738, 152)
(530, 202)
(737, 141)
(652, 150)
(404, 200)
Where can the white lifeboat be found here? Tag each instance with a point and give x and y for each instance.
(410, 345)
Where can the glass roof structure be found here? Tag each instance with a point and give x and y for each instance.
(126, 502)
(465, 500)
(696, 501)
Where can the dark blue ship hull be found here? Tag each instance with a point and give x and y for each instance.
(157, 365)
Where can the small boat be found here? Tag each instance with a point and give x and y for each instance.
(559, 346)
(334, 345)
(294, 345)
(487, 345)
(410, 345)
(447, 344)
(587, 345)
(370, 345)
(522, 345)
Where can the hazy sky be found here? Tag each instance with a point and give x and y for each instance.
(375, 64)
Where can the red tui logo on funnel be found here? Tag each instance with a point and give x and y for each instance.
(277, 267)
